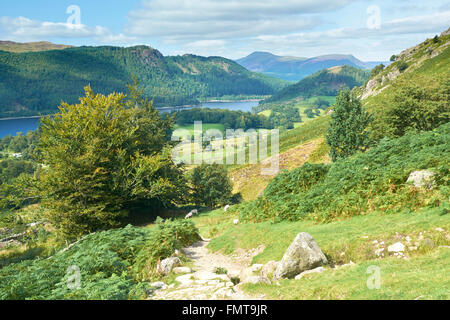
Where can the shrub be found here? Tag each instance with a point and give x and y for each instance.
(414, 107)
(109, 263)
(210, 185)
(347, 133)
(402, 66)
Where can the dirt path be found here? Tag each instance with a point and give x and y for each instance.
(202, 283)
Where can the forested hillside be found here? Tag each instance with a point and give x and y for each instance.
(34, 82)
(326, 82)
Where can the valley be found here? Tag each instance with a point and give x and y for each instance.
(362, 188)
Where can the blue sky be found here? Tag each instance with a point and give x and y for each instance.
(369, 29)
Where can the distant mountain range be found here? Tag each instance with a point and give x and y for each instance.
(12, 46)
(296, 68)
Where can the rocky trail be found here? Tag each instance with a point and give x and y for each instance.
(202, 283)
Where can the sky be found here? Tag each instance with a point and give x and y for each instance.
(371, 30)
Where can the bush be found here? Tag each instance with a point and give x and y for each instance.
(402, 66)
(348, 132)
(414, 107)
(109, 263)
(211, 185)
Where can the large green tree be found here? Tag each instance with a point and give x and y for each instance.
(211, 185)
(347, 133)
(105, 157)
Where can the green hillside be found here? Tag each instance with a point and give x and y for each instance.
(34, 82)
(411, 90)
(326, 82)
(310, 97)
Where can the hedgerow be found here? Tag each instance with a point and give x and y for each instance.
(375, 180)
(108, 262)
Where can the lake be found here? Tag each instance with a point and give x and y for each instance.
(12, 126)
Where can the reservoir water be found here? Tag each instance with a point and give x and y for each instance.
(13, 126)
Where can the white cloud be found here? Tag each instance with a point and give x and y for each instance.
(24, 29)
(393, 36)
(192, 20)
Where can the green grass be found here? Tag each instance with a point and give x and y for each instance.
(308, 131)
(205, 127)
(352, 236)
(422, 277)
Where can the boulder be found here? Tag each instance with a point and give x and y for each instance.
(422, 178)
(269, 268)
(304, 273)
(303, 254)
(245, 274)
(396, 247)
(167, 265)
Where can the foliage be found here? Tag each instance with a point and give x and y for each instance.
(106, 156)
(211, 185)
(358, 184)
(393, 58)
(108, 262)
(347, 133)
(376, 70)
(402, 65)
(414, 106)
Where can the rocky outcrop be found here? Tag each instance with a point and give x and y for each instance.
(303, 254)
(422, 178)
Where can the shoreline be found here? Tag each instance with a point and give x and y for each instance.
(161, 108)
(19, 118)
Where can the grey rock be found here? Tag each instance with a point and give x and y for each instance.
(269, 268)
(168, 264)
(303, 254)
(422, 178)
(396, 247)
